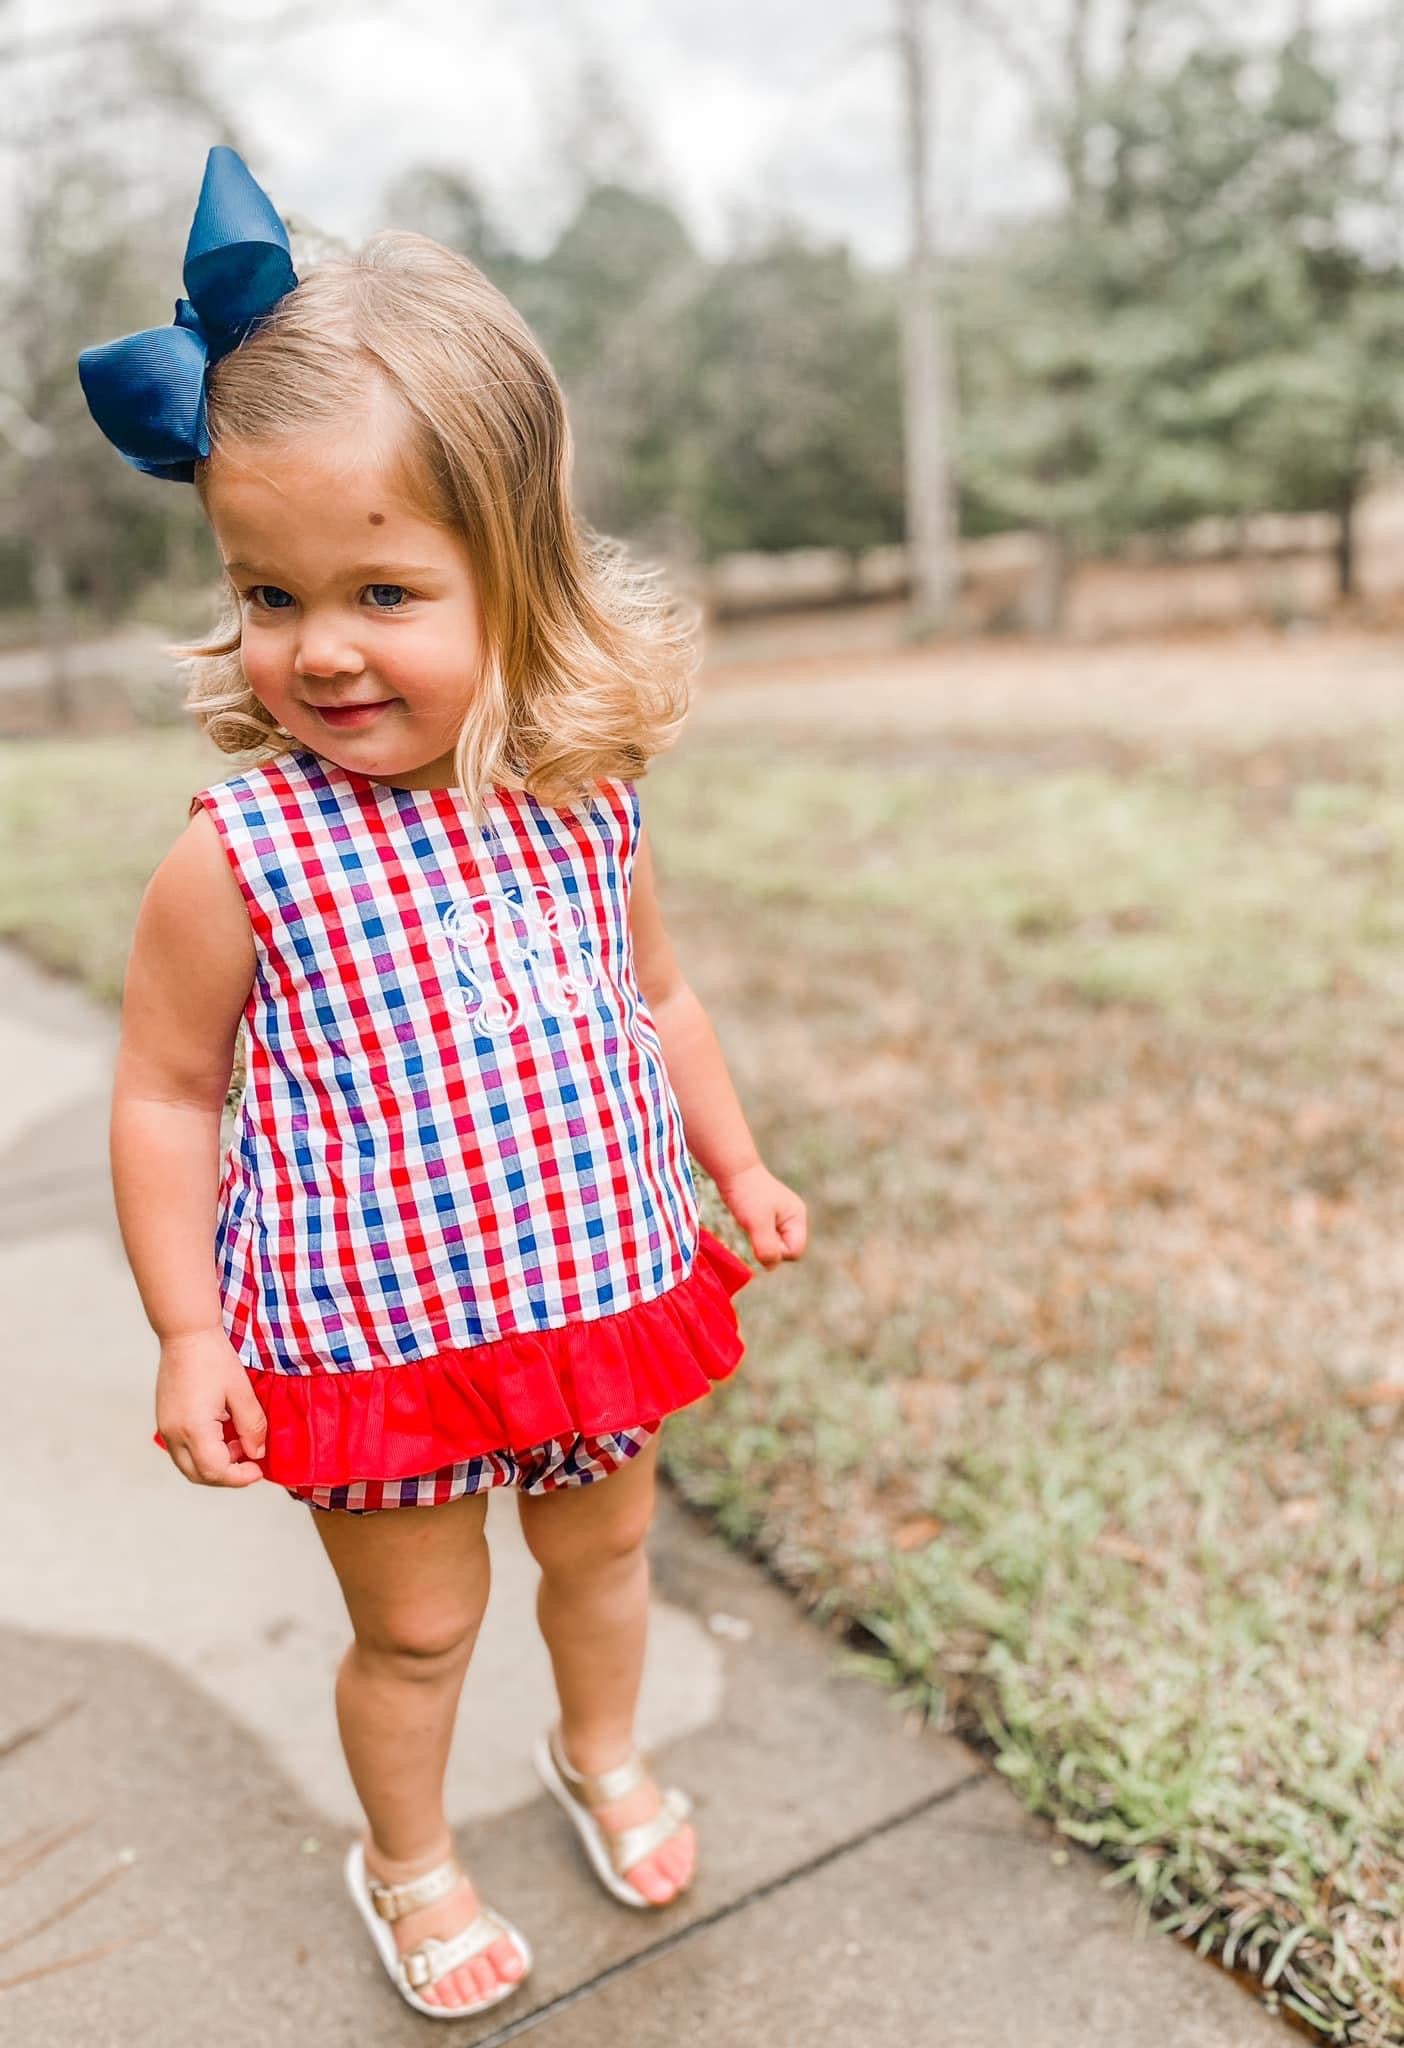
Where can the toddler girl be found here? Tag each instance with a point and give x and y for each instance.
(455, 1239)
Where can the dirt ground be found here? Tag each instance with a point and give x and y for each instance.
(849, 673)
(1109, 1176)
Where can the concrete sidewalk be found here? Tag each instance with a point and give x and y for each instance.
(166, 1713)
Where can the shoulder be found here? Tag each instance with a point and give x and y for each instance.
(195, 878)
(190, 968)
(193, 928)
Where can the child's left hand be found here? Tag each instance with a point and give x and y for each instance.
(772, 1215)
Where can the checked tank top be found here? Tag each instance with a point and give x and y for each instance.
(456, 1211)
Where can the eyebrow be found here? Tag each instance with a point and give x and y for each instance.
(379, 572)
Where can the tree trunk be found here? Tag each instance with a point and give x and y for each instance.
(1076, 59)
(1346, 503)
(1048, 596)
(51, 593)
(1128, 75)
(1394, 103)
(928, 401)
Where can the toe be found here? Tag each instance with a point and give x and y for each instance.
(676, 1858)
(648, 1878)
(467, 1985)
(485, 1977)
(662, 1875)
(459, 1987)
(506, 1960)
(454, 1989)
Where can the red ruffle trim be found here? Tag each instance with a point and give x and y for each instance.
(619, 1372)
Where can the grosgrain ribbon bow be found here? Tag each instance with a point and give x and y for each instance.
(147, 391)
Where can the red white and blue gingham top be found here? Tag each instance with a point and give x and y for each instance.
(457, 1205)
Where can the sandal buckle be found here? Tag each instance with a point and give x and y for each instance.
(393, 1901)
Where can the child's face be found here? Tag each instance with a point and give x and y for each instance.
(362, 633)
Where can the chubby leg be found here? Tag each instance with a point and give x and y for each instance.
(415, 1582)
(592, 1605)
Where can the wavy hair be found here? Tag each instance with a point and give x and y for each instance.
(588, 662)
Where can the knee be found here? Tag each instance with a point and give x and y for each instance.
(422, 1639)
(564, 1552)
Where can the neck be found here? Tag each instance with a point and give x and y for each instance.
(432, 775)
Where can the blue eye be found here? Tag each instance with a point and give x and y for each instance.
(269, 597)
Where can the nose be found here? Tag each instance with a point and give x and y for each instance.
(324, 650)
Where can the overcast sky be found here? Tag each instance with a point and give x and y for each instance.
(749, 105)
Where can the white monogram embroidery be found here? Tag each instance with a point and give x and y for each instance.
(511, 947)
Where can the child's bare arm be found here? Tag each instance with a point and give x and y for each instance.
(717, 1132)
(188, 979)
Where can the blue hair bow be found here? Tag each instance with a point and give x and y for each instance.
(147, 391)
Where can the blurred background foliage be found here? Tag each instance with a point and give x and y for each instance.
(1206, 321)
(1064, 981)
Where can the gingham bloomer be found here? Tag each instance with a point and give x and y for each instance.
(456, 1215)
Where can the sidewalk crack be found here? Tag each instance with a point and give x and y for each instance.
(553, 2007)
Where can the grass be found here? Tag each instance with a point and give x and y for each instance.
(1092, 1581)
(1084, 1412)
(1151, 889)
(1155, 888)
(82, 825)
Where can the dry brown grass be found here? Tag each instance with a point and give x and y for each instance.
(1066, 986)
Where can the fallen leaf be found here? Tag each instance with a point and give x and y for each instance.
(1109, 1544)
(1379, 1391)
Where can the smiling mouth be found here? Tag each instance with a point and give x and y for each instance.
(341, 718)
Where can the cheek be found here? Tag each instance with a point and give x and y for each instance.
(262, 663)
(444, 659)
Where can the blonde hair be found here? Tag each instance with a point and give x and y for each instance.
(587, 662)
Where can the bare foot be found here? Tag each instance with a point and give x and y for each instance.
(471, 1981)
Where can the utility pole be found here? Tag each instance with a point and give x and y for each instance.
(928, 406)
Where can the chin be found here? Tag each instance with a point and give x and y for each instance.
(387, 765)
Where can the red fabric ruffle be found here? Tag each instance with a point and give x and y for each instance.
(618, 1372)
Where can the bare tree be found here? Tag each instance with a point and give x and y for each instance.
(1054, 55)
(90, 118)
(928, 401)
(1392, 142)
(1077, 69)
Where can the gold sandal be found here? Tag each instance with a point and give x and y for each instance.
(431, 1959)
(611, 1853)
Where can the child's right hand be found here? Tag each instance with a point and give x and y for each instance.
(200, 1380)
